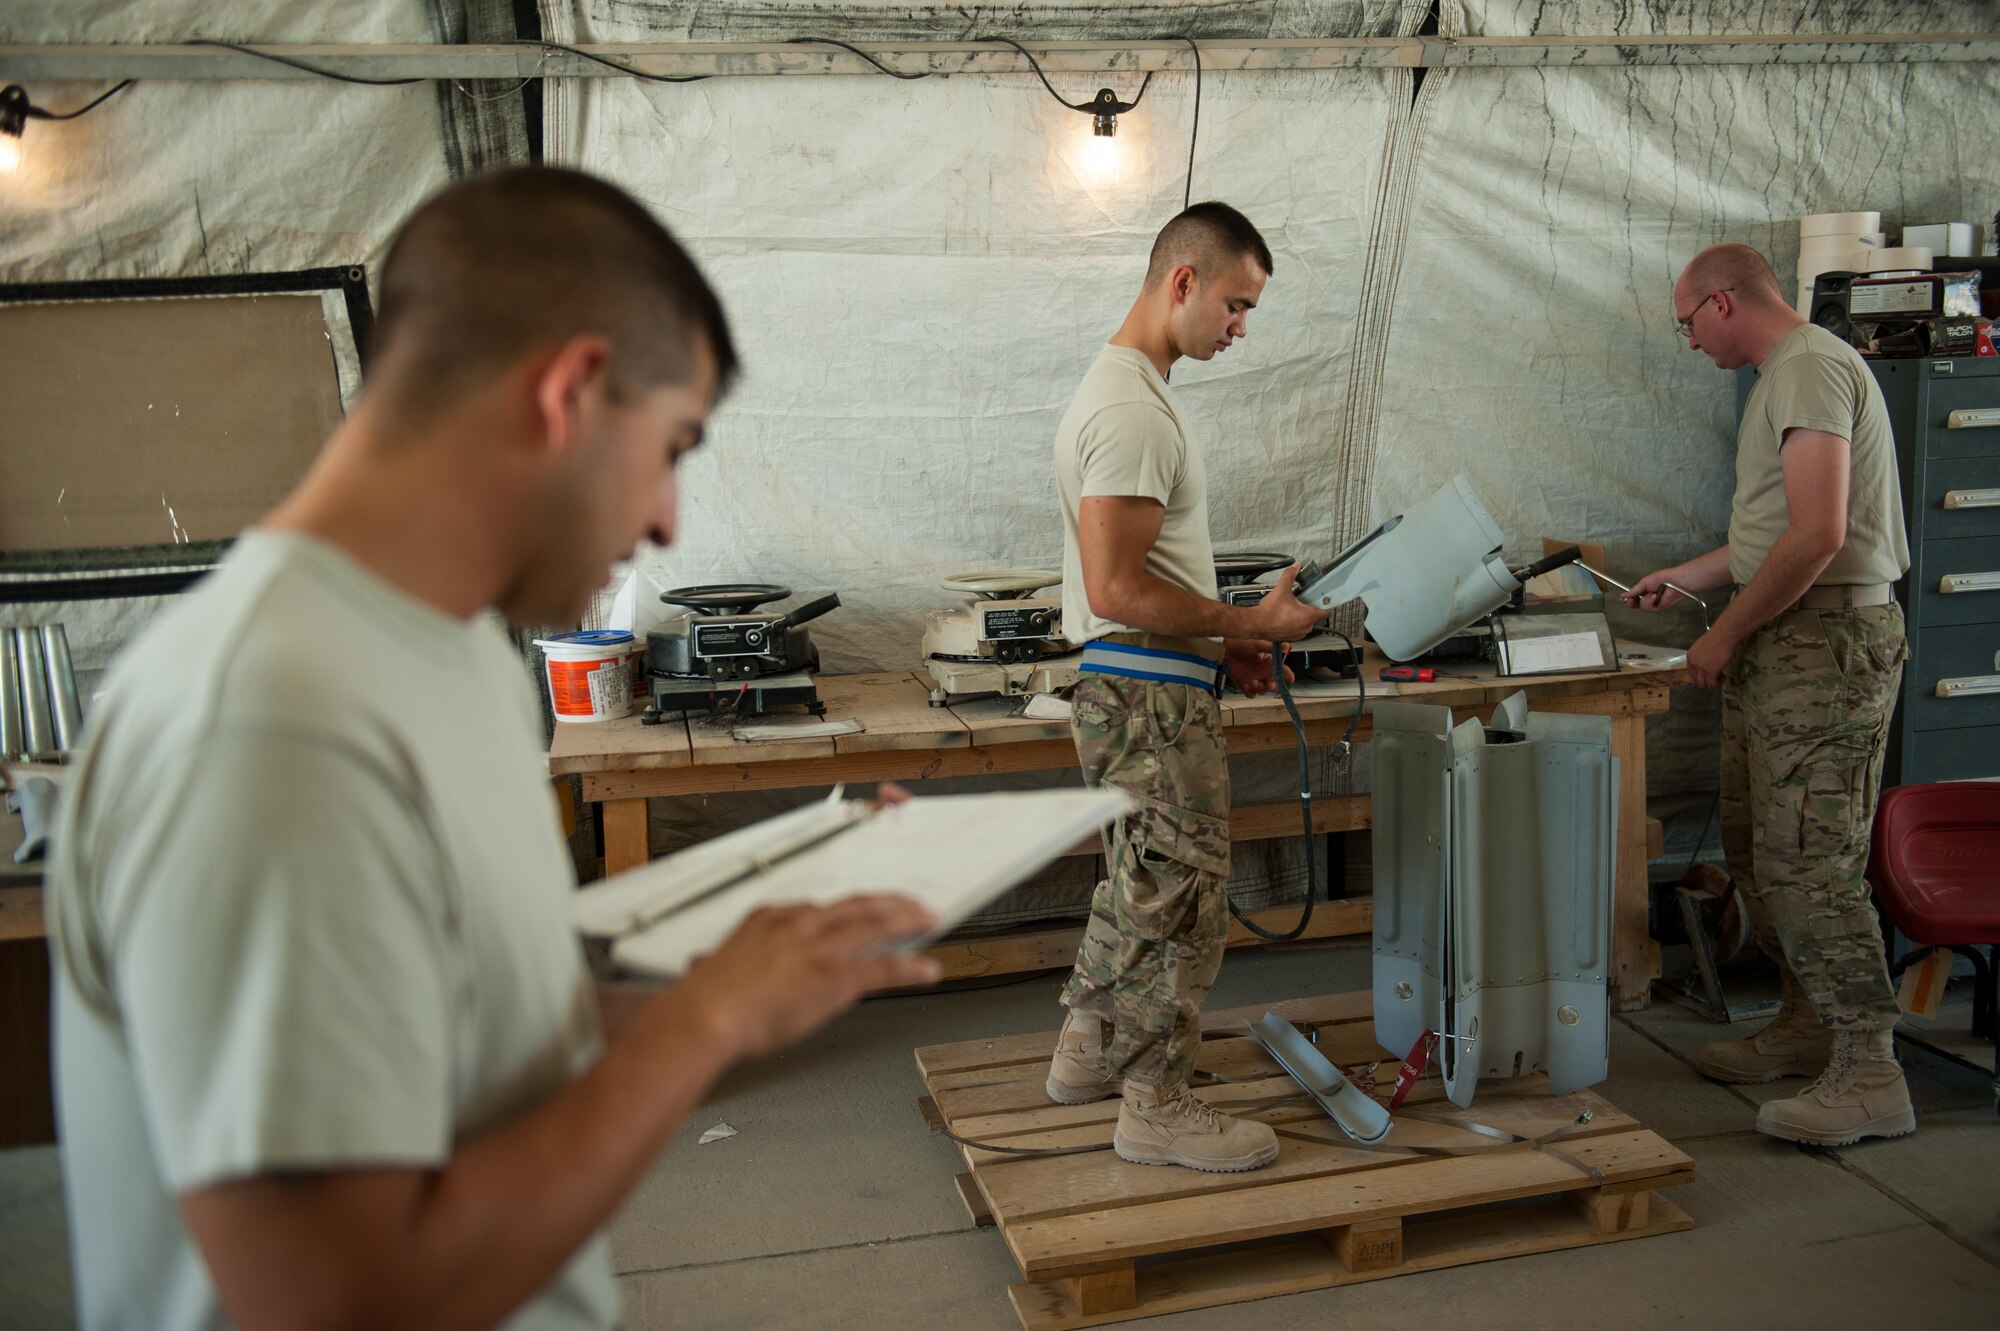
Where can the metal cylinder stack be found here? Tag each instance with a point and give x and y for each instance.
(40, 717)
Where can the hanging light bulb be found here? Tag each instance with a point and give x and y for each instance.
(13, 118)
(1100, 159)
(1103, 159)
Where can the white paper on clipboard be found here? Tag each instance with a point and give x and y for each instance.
(955, 853)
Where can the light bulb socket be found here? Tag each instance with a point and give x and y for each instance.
(13, 109)
(1104, 109)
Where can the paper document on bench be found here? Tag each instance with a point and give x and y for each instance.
(1565, 651)
(954, 853)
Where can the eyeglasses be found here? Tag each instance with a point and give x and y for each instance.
(1686, 326)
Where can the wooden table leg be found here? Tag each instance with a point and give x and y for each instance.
(1635, 957)
(626, 845)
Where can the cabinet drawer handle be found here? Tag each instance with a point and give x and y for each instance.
(1969, 582)
(1968, 686)
(1971, 499)
(1973, 418)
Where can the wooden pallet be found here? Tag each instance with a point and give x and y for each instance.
(1099, 1240)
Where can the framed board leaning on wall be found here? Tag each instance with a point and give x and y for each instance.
(148, 421)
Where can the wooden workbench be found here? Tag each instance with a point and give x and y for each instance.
(623, 764)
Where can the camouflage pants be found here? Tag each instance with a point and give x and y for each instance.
(1159, 919)
(1805, 719)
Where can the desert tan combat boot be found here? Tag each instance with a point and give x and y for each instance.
(1793, 1045)
(1167, 1125)
(1078, 1074)
(1861, 1094)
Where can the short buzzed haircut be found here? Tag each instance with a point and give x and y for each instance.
(1208, 238)
(1732, 267)
(509, 261)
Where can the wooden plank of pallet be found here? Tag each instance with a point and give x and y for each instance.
(1046, 1124)
(1018, 1093)
(975, 1205)
(1042, 1247)
(1023, 1191)
(997, 1051)
(1345, 1043)
(1372, 1245)
(1051, 949)
(1428, 1244)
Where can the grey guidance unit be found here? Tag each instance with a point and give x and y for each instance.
(1494, 855)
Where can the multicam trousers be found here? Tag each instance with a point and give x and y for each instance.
(1159, 919)
(1805, 720)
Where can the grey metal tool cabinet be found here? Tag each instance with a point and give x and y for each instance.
(1946, 416)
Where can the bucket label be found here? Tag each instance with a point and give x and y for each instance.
(590, 688)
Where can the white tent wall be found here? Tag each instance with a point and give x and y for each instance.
(214, 178)
(1531, 339)
(918, 273)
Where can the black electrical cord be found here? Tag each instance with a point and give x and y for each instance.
(298, 64)
(1187, 192)
(607, 62)
(1305, 787)
(1088, 108)
(37, 113)
(1091, 108)
(1701, 837)
(830, 41)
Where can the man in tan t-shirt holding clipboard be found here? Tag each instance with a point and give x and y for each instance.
(1139, 590)
(1809, 656)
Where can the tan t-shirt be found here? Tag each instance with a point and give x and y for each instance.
(310, 912)
(1124, 435)
(1814, 381)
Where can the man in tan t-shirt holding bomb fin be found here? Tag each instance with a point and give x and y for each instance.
(1139, 590)
(1809, 655)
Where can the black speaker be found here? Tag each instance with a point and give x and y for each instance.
(1829, 305)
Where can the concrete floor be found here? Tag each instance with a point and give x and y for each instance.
(833, 1208)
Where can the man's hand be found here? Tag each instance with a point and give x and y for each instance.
(788, 970)
(1248, 664)
(1652, 593)
(1281, 616)
(1708, 659)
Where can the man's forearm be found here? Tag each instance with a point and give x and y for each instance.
(1703, 571)
(513, 1206)
(1154, 605)
(1794, 562)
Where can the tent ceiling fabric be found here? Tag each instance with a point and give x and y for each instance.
(1051, 20)
(195, 179)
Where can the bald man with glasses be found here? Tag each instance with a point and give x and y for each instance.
(1809, 656)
